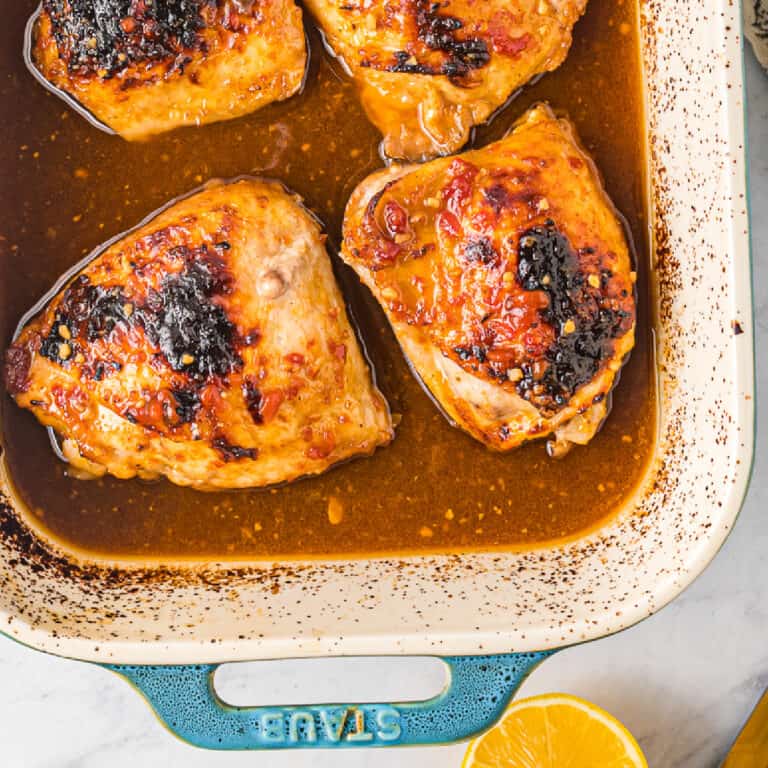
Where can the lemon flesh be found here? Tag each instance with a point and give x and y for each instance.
(555, 731)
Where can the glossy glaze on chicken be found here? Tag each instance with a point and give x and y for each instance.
(429, 71)
(69, 187)
(507, 277)
(211, 346)
(146, 66)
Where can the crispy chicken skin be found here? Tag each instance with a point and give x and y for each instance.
(507, 278)
(428, 71)
(211, 346)
(143, 67)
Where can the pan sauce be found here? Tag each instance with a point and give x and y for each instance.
(66, 187)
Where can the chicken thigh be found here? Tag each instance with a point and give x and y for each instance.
(211, 345)
(507, 277)
(428, 71)
(146, 66)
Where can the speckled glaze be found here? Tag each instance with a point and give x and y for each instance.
(145, 614)
(478, 690)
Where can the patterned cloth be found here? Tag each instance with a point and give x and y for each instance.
(756, 21)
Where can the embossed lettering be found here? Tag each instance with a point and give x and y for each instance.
(333, 723)
(359, 734)
(299, 719)
(388, 724)
(273, 726)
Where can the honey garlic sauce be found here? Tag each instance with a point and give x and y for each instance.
(66, 187)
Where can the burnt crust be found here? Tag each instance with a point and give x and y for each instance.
(441, 45)
(579, 315)
(480, 249)
(441, 33)
(86, 313)
(105, 37)
(95, 329)
(191, 330)
(187, 404)
(230, 452)
(254, 400)
(585, 326)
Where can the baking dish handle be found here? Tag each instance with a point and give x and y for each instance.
(477, 692)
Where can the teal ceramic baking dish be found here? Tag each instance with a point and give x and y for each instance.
(491, 616)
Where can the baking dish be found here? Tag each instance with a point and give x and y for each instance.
(166, 628)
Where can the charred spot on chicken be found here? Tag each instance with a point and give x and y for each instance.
(507, 277)
(142, 67)
(163, 357)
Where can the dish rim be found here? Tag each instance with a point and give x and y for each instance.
(488, 639)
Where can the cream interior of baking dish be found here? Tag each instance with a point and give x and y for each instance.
(503, 602)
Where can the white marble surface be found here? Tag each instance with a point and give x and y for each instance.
(682, 681)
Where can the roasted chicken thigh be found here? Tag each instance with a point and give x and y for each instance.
(211, 346)
(146, 66)
(429, 71)
(507, 277)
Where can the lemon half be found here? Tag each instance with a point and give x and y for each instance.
(555, 731)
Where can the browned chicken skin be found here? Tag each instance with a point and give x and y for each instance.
(429, 71)
(507, 278)
(211, 346)
(143, 67)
